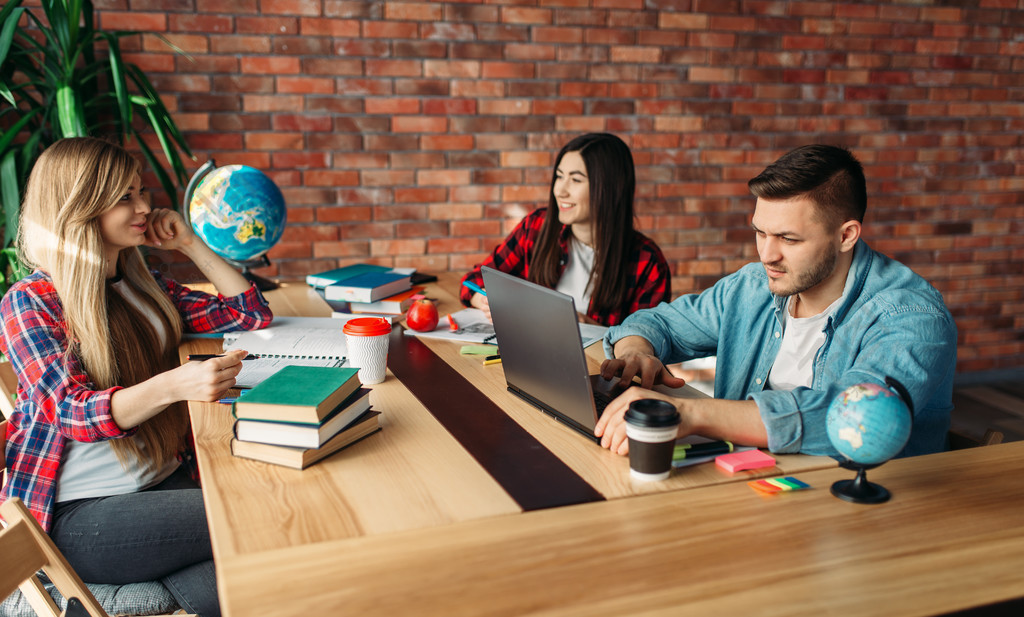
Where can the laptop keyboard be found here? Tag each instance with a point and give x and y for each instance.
(601, 401)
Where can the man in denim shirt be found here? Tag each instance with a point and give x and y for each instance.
(821, 312)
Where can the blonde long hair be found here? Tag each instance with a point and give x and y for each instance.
(72, 184)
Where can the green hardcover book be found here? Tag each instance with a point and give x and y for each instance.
(305, 394)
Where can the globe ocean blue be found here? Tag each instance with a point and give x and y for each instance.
(868, 424)
(238, 212)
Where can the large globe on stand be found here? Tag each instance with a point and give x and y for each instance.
(238, 212)
(868, 424)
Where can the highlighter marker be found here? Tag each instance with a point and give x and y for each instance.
(474, 287)
(690, 450)
(206, 356)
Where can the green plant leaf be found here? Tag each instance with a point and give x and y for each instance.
(116, 75)
(69, 110)
(10, 195)
(9, 16)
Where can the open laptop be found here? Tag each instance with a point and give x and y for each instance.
(542, 352)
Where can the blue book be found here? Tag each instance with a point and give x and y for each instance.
(337, 275)
(368, 287)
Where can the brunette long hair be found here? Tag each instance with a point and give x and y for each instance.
(612, 181)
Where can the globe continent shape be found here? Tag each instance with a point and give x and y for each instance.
(868, 424)
(238, 212)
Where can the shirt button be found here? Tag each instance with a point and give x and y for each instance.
(758, 381)
(777, 335)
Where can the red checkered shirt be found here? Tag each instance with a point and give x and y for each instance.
(57, 400)
(649, 283)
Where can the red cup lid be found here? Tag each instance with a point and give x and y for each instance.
(367, 326)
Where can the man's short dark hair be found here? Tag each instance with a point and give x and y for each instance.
(829, 176)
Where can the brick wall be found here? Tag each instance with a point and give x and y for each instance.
(418, 133)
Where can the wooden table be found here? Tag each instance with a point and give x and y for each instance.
(427, 518)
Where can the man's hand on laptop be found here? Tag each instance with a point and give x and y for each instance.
(611, 426)
(634, 357)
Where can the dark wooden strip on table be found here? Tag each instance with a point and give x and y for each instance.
(530, 473)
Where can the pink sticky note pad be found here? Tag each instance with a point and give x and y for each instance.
(741, 461)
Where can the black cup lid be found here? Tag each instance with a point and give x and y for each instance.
(652, 413)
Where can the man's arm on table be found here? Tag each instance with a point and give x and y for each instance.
(738, 421)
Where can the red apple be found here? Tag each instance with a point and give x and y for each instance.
(422, 315)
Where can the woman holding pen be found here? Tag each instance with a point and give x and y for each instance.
(99, 438)
(584, 243)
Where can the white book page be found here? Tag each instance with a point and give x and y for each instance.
(255, 371)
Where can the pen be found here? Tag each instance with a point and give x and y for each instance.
(473, 286)
(711, 448)
(206, 356)
(496, 359)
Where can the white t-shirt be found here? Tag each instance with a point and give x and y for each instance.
(801, 339)
(91, 469)
(575, 279)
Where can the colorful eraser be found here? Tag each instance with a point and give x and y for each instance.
(798, 483)
(741, 461)
(764, 487)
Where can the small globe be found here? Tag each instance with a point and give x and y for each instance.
(237, 211)
(868, 424)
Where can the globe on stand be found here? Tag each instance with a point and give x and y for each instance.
(868, 424)
(239, 213)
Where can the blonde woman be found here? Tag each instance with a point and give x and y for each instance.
(100, 432)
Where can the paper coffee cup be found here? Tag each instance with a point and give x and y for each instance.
(651, 427)
(367, 341)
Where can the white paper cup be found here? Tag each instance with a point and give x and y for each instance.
(367, 341)
(651, 427)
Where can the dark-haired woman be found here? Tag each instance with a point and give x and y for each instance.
(584, 243)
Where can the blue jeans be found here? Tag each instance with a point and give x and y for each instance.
(159, 534)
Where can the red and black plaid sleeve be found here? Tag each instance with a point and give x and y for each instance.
(511, 255)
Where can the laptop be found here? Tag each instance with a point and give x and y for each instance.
(542, 352)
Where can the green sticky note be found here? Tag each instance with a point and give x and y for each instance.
(478, 350)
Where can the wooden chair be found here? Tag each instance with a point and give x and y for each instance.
(8, 391)
(27, 549)
(959, 440)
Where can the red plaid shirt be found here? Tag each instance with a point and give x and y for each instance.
(56, 399)
(649, 284)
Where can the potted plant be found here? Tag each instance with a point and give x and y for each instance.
(62, 77)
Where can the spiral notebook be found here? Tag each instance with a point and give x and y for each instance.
(302, 341)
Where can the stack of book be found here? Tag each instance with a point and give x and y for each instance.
(301, 414)
(361, 283)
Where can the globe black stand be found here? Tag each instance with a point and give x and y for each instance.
(859, 490)
(263, 284)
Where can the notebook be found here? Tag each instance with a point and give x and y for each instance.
(303, 341)
(542, 354)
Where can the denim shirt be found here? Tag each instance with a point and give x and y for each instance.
(891, 323)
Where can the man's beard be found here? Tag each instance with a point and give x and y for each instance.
(820, 271)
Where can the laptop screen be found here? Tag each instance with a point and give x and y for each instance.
(541, 350)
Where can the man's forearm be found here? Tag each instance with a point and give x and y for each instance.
(736, 421)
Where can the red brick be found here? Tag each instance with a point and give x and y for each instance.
(135, 20)
(238, 44)
(388, 178)
(390, 30)
(265, 25)
(682, 21)
(290, 7)
(177, 22)
(421, 229)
